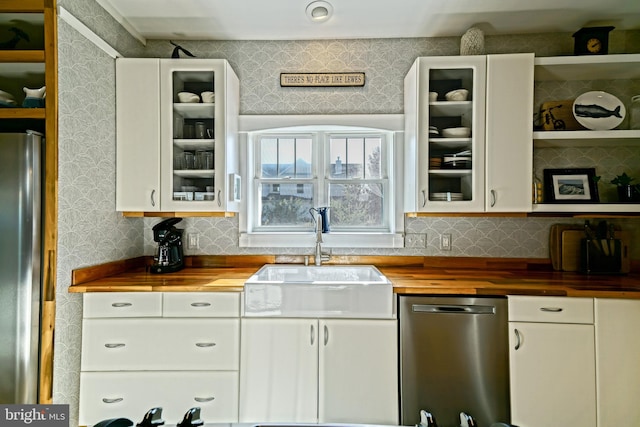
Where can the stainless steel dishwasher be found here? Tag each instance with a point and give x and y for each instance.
(453, 359)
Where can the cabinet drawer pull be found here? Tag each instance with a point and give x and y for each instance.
(203, 399)
(200, 304)
(121, 304)
(424, 198)
(153, 200)
(114, 345)
(518, 339)
(312, 334)
(205, 344)
(116, 400)
(326, 335)
(219, 200)
(551, 309)
(493, 198)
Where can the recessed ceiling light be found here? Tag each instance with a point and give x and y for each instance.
(319, 11)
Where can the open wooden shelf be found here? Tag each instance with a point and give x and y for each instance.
(22, 113)
(22, 6)
(22, 56)
(586, 138)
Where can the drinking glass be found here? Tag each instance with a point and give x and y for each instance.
(189, 160)
(201, 130)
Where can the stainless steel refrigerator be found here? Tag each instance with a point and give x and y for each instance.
(20, 265)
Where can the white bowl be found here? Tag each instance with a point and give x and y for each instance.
(188, 97)
(461, 132)
(6, 96)
(433, 96)
(457, 95)
(208, 97)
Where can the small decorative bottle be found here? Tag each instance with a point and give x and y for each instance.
(537, 191)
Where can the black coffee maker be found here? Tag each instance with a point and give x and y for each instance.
(169, 256)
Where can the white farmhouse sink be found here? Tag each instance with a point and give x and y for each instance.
(279, 290)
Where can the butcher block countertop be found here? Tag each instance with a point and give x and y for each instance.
(409, 275)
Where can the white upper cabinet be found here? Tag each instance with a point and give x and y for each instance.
(509, 151)
(176, 151)
(137, 135)
(486, 168)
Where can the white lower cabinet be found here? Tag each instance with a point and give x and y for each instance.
(552, 362)
(311, 370)
(130, 394)
(169, 350)
(618, 361)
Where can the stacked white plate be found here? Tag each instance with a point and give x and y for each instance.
(445, 197)
(456, 162)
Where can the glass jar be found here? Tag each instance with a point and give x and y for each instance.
(634, 113)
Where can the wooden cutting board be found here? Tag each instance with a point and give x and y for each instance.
(570, 253)
(555, 243)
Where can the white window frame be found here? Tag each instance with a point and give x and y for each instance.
(251, 127)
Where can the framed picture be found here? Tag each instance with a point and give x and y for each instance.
(570, 186)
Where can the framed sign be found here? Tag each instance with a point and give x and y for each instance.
(571, 186)
(321, 79)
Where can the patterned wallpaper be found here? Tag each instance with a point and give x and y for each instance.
(385, 62)
(91, 232)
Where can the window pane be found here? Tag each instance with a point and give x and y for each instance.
(269, 157)
(373, 158)
(337, 158)
(356, 205)
(355, 158)
(285, 205)
(285, 157)
(303, 158)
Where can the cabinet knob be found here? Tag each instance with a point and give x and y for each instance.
(200, 304)
(121, 304)
(114, 400)
(114, 345)
(551, 309)
(312, 335)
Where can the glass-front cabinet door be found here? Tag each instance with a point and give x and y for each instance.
(199, 111)
(445, 130)
(177, 135)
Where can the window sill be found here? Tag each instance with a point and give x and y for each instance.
(330, 240)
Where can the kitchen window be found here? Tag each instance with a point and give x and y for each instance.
(350, 170)
(345, 171)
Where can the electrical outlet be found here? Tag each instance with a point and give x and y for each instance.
(415, 240)
(445, 241)
(193, 240)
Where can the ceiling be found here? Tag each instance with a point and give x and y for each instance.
(287, 19)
